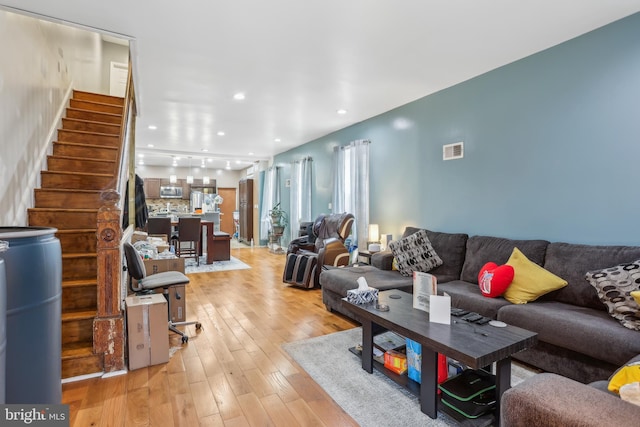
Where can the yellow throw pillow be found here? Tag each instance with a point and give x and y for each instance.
(625, 375)
(636, 296)
(530, 280)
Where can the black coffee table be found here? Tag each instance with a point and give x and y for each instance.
(477, 346)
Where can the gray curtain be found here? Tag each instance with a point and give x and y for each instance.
(351, 186)
(300, 209)
(271, 197)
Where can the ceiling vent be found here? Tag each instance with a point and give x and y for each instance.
(453, 151)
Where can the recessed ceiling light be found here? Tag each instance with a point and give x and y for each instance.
(277, 140)
(341, 111)
(153, 127)
(141, 162)
(221, 133)
(238, 96)
(177, 158)
(205, 150)
(150, 145)
(140, 155)
(209, 160)
(251, 154)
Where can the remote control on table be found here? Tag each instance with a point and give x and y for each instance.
(472, 317)
(483, 321)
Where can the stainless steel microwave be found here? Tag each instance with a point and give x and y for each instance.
(170, 192)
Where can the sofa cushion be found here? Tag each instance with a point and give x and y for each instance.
(530, 281)
(583, 330)
(339, 280)
(468, 296)
(572, 261)
(415, 253)
(614, 287)
(484, 249)
(450, 247)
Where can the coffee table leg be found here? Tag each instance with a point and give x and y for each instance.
(429, 386)
(503, 382)
(367, 346)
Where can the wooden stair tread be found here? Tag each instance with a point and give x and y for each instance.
(118, 99)
(79, 255)
(106, 104)
(77, 349)
(74, 210)
(80, 144)
(78, 315)
(106, 175)
(77, 230)
(84, 132)
(80, 158)
(62, 190)
(91, 111)
(72, 119)
(79, 283)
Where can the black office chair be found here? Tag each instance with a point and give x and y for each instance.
(148, 284)
(189, 236)
(159, 225)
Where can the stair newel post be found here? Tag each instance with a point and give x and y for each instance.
(108, 326)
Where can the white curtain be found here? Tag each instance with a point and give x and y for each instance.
(351, 186)
(271, 197)
(300, 209)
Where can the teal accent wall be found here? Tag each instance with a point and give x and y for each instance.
(551, 149)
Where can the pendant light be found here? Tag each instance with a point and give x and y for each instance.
(189, 177)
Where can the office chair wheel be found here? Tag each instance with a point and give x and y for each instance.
(198, 326)
(185, 339)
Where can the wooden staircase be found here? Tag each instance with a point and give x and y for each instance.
(83, 165)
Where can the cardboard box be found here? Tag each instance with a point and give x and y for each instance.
(178, 307)
(147, 334)
(154, 266)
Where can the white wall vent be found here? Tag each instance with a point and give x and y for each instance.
(453, 151)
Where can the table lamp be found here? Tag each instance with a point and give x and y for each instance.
(374, 238)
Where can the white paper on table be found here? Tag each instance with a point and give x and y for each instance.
(440, 309)
(424, 285)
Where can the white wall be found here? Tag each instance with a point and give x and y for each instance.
(39, 61)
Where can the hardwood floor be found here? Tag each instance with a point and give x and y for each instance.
(233, 372)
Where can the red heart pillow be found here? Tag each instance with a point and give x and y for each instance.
(493, 279)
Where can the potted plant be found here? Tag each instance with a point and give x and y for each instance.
(278, 219)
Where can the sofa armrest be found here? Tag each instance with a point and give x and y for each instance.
(382, 260)
(552, 400)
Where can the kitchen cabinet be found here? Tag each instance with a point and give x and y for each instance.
(245, 197)
(152, 188)
(186, 189)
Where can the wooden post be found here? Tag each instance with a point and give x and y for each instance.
(108, 326)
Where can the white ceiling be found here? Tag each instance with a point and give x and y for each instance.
(298, 62)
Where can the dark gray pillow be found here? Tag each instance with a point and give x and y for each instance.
(414, 253)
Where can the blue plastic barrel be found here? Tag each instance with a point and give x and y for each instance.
(3, 323)
(33, 268)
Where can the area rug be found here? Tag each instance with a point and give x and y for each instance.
(190, 266)
(370, 399)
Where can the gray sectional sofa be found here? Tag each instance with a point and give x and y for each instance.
(577, 338)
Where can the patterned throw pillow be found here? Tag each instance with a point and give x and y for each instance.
(614, 286)
(415, 253)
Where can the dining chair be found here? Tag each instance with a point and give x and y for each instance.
(189, 237)
(159, 226)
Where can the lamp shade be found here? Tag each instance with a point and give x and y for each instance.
(374, 233)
